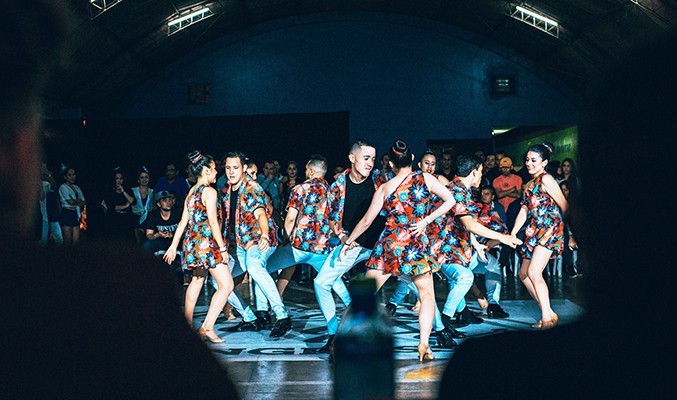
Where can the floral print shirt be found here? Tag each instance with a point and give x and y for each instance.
(311, 231)
(247, 231)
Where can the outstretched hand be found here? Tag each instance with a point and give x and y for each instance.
(511, 240)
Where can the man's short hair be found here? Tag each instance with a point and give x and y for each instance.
(358, 144)
(466, 163)
(318, 163)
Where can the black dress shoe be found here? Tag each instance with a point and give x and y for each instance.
(390, 309)
(263, 318)
(328, 347)
(281, 327)
(450, 323)
(445, 340)
(495, 311)
(467, 317)
(245, 326)
(454, 333)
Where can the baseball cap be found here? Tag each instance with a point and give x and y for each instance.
(163, 194)
(505, 162)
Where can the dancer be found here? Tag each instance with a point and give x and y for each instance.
(350, 197)
(403, 246)
(544, 204)
(455, 252)
(203, 246)
(444, 334)
(253, 233)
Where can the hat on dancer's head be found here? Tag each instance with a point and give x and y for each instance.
(505, 162)
(163, 194)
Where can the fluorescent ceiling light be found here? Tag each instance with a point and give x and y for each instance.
(535, 19)
(188, 19)
(537, 15)
(199, 13)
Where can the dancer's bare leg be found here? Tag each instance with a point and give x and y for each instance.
(193, 293)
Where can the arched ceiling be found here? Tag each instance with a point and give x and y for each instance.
(121, 48)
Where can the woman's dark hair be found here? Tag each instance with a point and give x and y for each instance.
(573, 165)
(142, 170)
(63, 169)
(399, 154)
(198, 161)
(292, 162)
(428, 152)
(552, 167)
(118, 170)
(466, 163)
(544, 150)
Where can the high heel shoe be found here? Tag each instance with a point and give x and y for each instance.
(551, 323)
(424, 352)
(204, 335)
(538, 324)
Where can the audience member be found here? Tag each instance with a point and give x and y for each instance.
(269, 182)
(173, 183)
(508, 186)
(72, 206)
(143, 202)
(117, 206)
(446, 164)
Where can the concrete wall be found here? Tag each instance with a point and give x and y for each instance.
(397, 77)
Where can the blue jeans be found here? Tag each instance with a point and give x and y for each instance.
(460, 280)
(254, 262)
(286, 256)
(491, 269)
(331, 271)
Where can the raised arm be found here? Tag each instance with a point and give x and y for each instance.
(439, 190)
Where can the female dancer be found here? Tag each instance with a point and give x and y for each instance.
(544, 203)
(72, 204)
(402, 248)
(203, 246)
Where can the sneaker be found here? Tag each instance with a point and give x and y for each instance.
(328, 347)
(495, 311)
(391, 308)
(281, 327)
(245, 326)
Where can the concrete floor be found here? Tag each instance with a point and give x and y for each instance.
(290, 367)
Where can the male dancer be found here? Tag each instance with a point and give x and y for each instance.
(253, 232)
(350, 197)
(456, 251)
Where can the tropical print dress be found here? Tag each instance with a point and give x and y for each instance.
(199, 247)
(456, 247)
(546, 227)
(398, 250)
